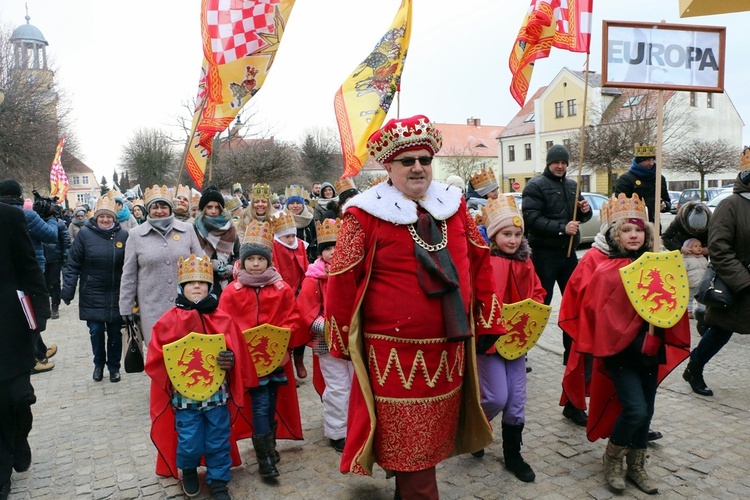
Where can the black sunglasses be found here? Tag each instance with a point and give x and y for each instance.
(408, 161)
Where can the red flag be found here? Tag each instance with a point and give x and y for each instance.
(565, 24)
(58, 181)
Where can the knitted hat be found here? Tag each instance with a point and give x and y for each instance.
(501, 212)
(688, 243)
(211, 193)
(79, 211)
(400, 135)
(557, 152)
(11, 188)
(454, 180)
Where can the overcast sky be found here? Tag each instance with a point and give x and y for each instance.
(133, 64)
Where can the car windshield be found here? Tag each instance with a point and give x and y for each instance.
(716, 199)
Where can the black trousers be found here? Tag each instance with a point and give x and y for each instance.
(16, 398)
(52, 273)
(555, 266)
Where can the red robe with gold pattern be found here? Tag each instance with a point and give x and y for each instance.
(171, 327)
(608, 324)
(275, 305)
(291, 264)
(415, 395)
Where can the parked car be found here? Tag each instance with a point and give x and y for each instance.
(589, 228)
(718, 199)
(695, 195)
(674, 197)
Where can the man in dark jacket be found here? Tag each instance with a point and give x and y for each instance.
(641, 180)
(56, 254)
(548, 204)
(20, 271)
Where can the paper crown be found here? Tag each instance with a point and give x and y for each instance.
(344, 184)
(139, 202)
(281, 222)
(622, 207)
(645, 150)
(377, 179)
(232, 204)
(483, 179)
(162, 193)
(261, 192)
(195, 199)
(328, 230)
(296, 190)
(258, 233)
(107, 203)
(403, 135)
(114, 193)
(501, 212)
(194, 269)
(479, 218)
(236, 186)
(183, 191)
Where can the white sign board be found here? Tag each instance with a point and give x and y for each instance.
(663, 56)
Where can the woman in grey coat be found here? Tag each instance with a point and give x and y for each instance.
(150, 270)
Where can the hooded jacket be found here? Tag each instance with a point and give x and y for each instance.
(680, 229)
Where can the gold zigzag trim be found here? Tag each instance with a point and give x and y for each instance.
(419, 360)
(333, 330)
(496, 308)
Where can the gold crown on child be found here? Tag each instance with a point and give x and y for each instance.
(184, 191)
(258, 233)
(261, 192)
(645, 149)
(344, 183)
(483, 178)
(377, 179)
(194, 269)
(282, 222)
(296, 190)
(622, 207)
(502, 207)
(157, 193)
(328, 230)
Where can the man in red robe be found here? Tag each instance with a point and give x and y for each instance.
(410, 298)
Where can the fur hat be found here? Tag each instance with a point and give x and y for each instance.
(557, 152)
(400, 135)
(211, 193)
(10, 188)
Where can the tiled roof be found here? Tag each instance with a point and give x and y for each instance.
(642, 107)
(481, 139)
(72, 164)
(518, 125)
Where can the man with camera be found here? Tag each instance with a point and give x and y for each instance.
(42, 229)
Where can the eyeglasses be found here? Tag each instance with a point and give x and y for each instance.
(408, 161)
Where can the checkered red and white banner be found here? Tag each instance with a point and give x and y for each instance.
(234, 27)
(58, 180)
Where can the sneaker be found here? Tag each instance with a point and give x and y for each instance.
(190, 484)
(220, 491)
(114, 376)
(42, 365)
(338, 444)
(51, 350)
(576, 415)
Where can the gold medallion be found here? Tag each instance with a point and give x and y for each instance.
(176, 237)
(118, 244)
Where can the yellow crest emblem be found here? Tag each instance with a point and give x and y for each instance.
(657, 287)
(267, 345)
(191, 365)
(525, 322)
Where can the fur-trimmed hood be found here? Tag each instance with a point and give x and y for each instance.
(522, 253)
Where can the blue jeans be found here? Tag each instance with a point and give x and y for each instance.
(636, 390)
(264, 407)
(112, 346)
(204, 433)
(711, 343)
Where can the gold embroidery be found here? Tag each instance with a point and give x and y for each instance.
(350, 246)
(419, 359)
(379, 336)
(407, 401)
(334, 335)
(495, 310)
(475, 237)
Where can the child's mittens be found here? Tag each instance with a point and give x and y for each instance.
(225, 360)
(318, 326)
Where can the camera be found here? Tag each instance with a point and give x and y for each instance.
(46, 207)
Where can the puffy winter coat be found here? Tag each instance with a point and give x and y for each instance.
(644, 186)
(58, 251)
(41, 231)
(97, 256)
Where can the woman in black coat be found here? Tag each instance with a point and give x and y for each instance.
(97, 256)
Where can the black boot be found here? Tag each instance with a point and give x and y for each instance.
(694, 376)
(514, 462)
(190, 484)
(220, 491)
(274, 427)
(263, 444)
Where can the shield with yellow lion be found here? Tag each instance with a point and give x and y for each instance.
(657, 287)
(525, 322)
(267, 345)
(191, 365)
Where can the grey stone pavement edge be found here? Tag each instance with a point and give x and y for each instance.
(91, 440)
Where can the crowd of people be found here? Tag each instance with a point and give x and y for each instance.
(228, 275)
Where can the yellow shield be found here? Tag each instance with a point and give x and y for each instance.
(191, 365)
(525, 322)
(267, 345)
(657, 286)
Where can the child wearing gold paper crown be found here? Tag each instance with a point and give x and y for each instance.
(502, 381)
(336, 373)
(629, 363)
(259, 296)
(185, 430)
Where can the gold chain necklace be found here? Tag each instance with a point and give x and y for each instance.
(430, 248)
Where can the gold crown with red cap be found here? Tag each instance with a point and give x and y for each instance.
(622, 207)
(399, 135)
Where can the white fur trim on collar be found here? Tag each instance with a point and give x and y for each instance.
(389, 204)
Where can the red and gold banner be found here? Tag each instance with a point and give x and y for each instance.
(362, 102)
(58, 180)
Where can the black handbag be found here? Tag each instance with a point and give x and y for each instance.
(133, 362)
(713, 291)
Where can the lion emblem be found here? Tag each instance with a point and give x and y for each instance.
(519, 332)
(196, 368)
(658, 291)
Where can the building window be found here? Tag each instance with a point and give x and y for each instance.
(549, 144)
(632, 101)
(559, 109)
(566, 143)
(527, 147)
(85, 179)
(80, 198)
(511, 153)
(571, 107)
(75, 180)
(692, 99)
(529, 118)
(586, 184)
(710, 100)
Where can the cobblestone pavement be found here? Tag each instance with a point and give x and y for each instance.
(91, 440)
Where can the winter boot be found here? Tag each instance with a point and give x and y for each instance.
(694, 376)
(299, 366)
(636, 460)
(613, 470)
(55, 312)
(514, 462)
(274, 427)
(263, 444)
(220, 491)
(190, 484)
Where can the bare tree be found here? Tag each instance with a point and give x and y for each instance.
(149, 158)
(703, 158)
(462, 162)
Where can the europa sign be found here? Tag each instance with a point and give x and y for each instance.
(663, 56)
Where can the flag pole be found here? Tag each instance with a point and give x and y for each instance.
(583, 144)
(657, 187)
(182, 163)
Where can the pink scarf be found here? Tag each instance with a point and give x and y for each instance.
(318, 269)
(267, 277)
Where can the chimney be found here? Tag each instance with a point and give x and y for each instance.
(477, 122)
